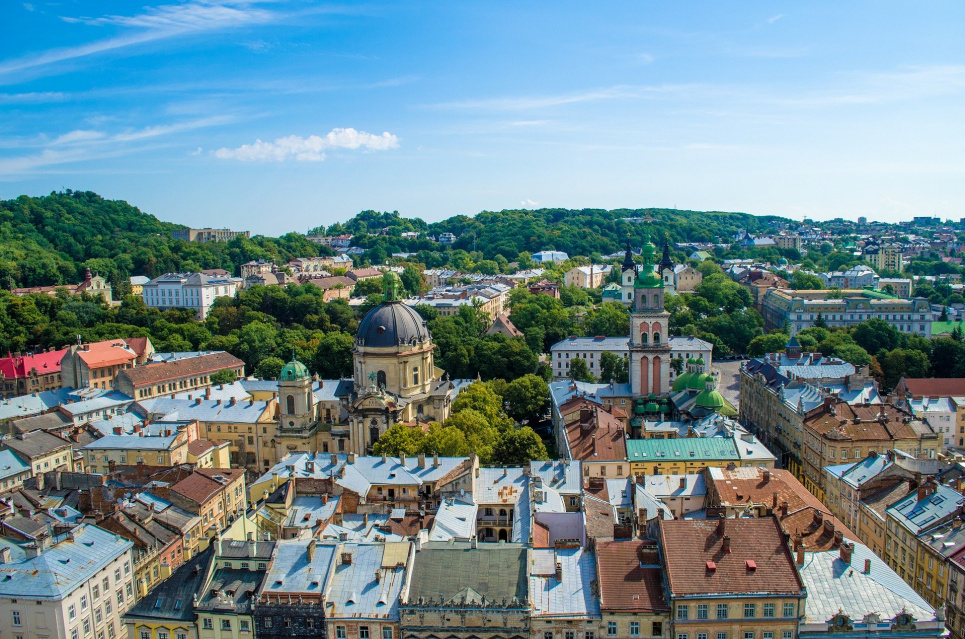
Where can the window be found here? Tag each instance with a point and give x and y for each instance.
(339, 632)
(110, 631)
(787, 634)
(701, 635)
(589, 634)
(71, 612)
(547, 635)
(106, 583)
(120, 597)
(386, 632)
(180, 634)
(748, 634)
(97, 616)
(768, 634)
(129, 590)
(97, 592)
(657, 629)
(722, 611)
(789, 610)
(207, 624)
(611, 628)
(569, 634)
(268, 622)
(634, 628)
(701, 611)
(683, 612)
(162, 634)
(768, 610)
(83, 603)
(244, 625)
(74, 634)
(363, 632)
(107, 606)
(226, 624)
(86, 625)
(681, 635)
(749, 610)
(721, 635)
(16, 617)
(117, 574)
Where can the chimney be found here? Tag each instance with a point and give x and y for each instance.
(474, 542)
(784, 508)
(350, 459)
(829, 526)
(774, 501)
(800, 555)
(796, 542)
(197, 402)
(683, 482)
(365, 519)
(311, 550)
(118, 430)
(378, 576)
(559, 571)
(325, 499)
(234, 400)
(818, 517)
(721, 525)
(346, 559)
(867, 566)
(767, 476)
(725, 545)
(922, 492)
(846, 549)
(422, 460)
(435, 460)
(334, 459)
(838, 537)
(401, 459)
(40, 481)
(5, 555)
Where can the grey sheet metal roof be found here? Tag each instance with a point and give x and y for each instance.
(292, 571)
(446, 573)
(355, 593)
(570, 596)
(171, 599)
(64, 566)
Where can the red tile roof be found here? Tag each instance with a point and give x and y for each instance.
(861, 422)
(107, 353)
(757, 486)
(630, 577)
(596, 436)
(201, 446)
(151, 374)
(697, 564)
(16, 367)
(933, 387)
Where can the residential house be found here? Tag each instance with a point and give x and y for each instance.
(167, 612)
(167, 449)
(180, 375)
(14, 471)
(193, 291)
(208, 235)
(32, 373)
(43, 451)
(291, 601)
(224, 604)
(562, 592)
(586, 277)
(362, 594)
(633, 600)
(97, 364)
(93, 285)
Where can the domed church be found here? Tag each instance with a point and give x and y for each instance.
(396, 380)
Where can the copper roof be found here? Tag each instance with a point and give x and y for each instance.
(697, 564)
(630, 577)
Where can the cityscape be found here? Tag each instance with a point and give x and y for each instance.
(244, 396)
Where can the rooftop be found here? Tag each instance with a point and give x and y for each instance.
(569, 595)
(631, 578)
(179, 368)
(454, 574)
(369, 587)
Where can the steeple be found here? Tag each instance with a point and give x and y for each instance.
(628, 262)
(666, 261)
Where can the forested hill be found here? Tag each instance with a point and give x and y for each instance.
(49, 240)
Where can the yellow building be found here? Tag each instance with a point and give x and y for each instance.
(204, 453)
(632, 598)
(731, 578)
(169, 449)
(689, 455)
(224, 603)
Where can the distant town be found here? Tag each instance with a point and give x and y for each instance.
(387, 430)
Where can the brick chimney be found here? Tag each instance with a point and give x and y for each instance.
(845, 552)
(784, 508)
(725, 545)
(722, 525)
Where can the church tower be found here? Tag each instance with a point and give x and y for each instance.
(628, 275)
(296, 410)
(649, 330)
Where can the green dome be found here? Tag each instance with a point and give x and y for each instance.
(293, 371)
(638, 409)
(648, 279)
(710, 399)
(682, 381)
(652, 397)
(691, 360)
(664, 408)
(651, 407)
(699, 381)
(700, 361)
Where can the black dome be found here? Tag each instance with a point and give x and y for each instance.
(391, 324)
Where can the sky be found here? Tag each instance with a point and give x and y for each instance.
(280, 116)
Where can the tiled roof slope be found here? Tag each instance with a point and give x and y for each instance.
(203, 364)
(697, 564)
(630, 577)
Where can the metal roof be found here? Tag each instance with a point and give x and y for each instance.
(293, 571)
(917, 515)
(131, 442)
(572, 594)
(355, 592)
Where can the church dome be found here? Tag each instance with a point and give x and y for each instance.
(710, 399)
(699, 381)
(682, 381)
(293, 371)
(390, 324)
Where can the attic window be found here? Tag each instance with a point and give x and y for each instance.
(751, 565)
(160, 600)
(177, 604)
(278, 582)
(711, 566)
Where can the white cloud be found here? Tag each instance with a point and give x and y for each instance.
(646, 58)
(774, 19)
(310, 149)
(528, 203)
(80, 135)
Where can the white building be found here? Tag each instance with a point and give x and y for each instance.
(591, 348)
(550, 257)
(195, 291)
(940, 414)
(76, 588)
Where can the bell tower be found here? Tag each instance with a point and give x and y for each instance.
(649, 329)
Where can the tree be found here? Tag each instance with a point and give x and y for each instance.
(333, 355)
(225, 376)
(611, 319)
(518, 447)
(876, 334)
(479, 433)
(366, 287)
(853, 354)
(269, 368)
(579, 371)
(480, 398)
(947, 357)
(820, 322)
(900, 363)
(805, 281)
(446, 441)
(614, 368)
(770, 343)
(399, 440)
(527, 397)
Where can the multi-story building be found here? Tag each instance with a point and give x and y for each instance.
(836, 431)
(32, 373)
(192, 291)
(633, 602)
(731, 578)
(291, 601)
(224, 603)
(167, 449)
(591, 348)
(364, 588)
(208, 235)
(76, 584)
(177, 376)
(800, 309)
(257, 267)
(941, 414)
(97, 364)
(217, 495)
(42, 451)
(562, 602)
(789, 241)
(955, 597)
(13, 471)
(93, 285)
(907, 550)
(168, 612)
(857, 277)
(592, 276)
(688, 455)
(465, 590)
(898, 286)
(884, 256)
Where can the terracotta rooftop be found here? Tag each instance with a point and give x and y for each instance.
(805, 515)
(630, 576)
(107, 353)
(933, 387)
(862, 422)
(758, 560)
(596, 436)
(201, 446)
(201, 486)
(166, 371)
(138, 344)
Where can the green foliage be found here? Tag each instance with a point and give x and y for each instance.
(226, 376)
(269, 368)
(614, 368)
(770, 343)
(579, 370)
(527, 397)
(806, 281)
(400, 440)
(876, 334)
(900, 363)
(611, 319)
(518, 447)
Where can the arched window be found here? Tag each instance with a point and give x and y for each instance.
(290, 404)
(380, 379)
(643, 337)
(656, 338)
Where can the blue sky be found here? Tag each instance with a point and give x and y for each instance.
(278, 116)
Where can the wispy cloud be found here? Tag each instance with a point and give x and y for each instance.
(310, 149)
(774, 19)
(36, 97)
(156, 23)
(529, 204)
(523, 103)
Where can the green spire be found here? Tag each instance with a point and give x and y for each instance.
(390, 287)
